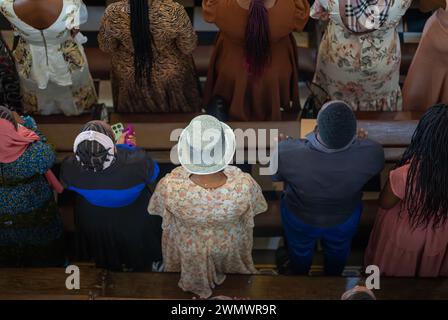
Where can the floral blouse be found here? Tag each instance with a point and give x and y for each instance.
(207, 232)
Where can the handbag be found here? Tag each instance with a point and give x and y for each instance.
(317, 98)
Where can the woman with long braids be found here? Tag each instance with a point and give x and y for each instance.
(111, 185)
(410, 236)
(151, 44)
(254, 64)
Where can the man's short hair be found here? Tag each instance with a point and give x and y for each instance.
(337, 125)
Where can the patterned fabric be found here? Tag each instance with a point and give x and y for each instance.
(361, 69)
(365, 15)
(29, 220)
(9, 83)
(207, 232)
(51, 63)
(174, 83)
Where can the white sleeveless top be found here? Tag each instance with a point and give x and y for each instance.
(48, 61)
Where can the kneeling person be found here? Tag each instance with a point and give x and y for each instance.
(324, 175)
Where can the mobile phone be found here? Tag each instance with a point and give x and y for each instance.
(118, 130)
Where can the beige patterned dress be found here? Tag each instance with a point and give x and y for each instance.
(51, 63)
(174, 85)
(207, 232)
(361, 69)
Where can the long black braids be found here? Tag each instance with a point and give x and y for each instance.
(6, 114)
(426, 199)
(92, 154)
(142, 41)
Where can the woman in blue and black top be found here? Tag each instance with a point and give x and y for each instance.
(112, 195)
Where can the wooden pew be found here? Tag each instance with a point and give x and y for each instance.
(392, 130)
(50, 284)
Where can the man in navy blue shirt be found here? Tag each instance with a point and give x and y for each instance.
(324, 175)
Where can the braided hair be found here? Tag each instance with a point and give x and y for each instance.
(258, 43)
(142, 40)
(426, 198)
(6, 114)
(92, 154)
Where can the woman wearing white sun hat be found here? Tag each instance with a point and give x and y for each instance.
(208, 209)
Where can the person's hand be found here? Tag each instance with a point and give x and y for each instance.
(133, 140)
(18, 118)
(122, 139)
(362, 134)
(74, 32)
(319, 13)
(281, 137)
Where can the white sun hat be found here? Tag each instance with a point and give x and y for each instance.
(206, 146)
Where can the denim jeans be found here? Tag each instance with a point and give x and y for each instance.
(301, 241)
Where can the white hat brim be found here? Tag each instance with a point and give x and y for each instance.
(230, 142)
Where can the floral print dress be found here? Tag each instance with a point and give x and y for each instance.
(51, 63)
(207, 232)
(361, 69)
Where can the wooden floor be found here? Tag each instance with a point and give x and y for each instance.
(100, 285)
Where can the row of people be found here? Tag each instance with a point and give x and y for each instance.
(200, 218)
(253, 68)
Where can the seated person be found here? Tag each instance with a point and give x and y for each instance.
(111, 185)
(30, 225)
(50, 57)
(426, 83)
(324, 175)
(410, 236)
(151, 45)
(208, 209)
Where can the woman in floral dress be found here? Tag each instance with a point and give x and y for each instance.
(359, 56)
(50, 58)
(208, 211)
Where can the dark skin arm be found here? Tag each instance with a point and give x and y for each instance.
(388, 199)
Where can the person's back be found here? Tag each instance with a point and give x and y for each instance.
(49, 55)
(324, 188)
(38, 14)
(324, 176)
(208, 210)
(426, 83)
(150, 44)
(112, 194)
(254, 64)
(410, 235)
(359, 55)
